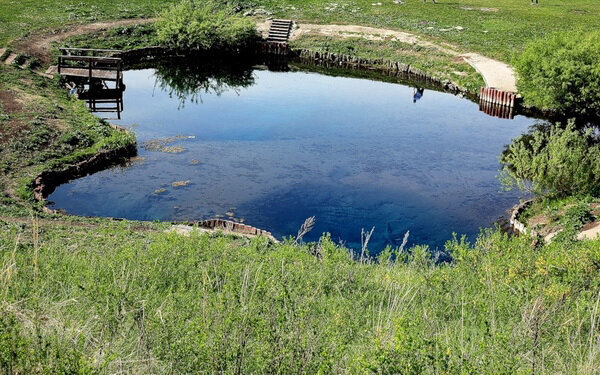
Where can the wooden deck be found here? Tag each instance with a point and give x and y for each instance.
(109, 75)
(89, 64)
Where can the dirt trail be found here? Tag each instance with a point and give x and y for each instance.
(495, 73)
(39, 44)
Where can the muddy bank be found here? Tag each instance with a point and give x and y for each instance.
(46, 182)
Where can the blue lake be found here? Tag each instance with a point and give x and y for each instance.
(273, 148)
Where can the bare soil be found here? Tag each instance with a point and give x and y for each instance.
(10, 105)
(38, 45)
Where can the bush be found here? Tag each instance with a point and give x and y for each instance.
(562, 73)
(191, 25)
(556, 162)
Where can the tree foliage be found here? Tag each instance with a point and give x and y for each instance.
(203, 26)
(562, 73)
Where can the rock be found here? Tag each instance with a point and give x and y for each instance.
(181, 183)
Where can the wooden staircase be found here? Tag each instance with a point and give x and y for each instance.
(280, 31)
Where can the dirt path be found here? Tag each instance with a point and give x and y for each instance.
(39, 44)
(495, 73)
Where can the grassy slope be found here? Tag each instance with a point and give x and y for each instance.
(114, 299)
(512, 23)
(42, 129)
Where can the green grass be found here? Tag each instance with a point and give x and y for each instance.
(508, 28)
(427, 59)
(48, 130)
(118, 299)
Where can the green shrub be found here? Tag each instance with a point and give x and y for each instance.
(562, 73)
(577, 215)
(191, 25)
(555, 162)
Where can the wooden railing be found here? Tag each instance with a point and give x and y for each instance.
(88, 51)
(96, 66)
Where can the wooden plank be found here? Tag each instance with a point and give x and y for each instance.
(111, 75)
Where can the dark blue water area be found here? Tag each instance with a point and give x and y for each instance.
(283, 146)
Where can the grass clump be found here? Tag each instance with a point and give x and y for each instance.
(561, 72)
(201, 26)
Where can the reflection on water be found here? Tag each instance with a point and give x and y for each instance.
(104, 100)
(188, 82)
(273, 148)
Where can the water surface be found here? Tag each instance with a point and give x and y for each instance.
(273, 148)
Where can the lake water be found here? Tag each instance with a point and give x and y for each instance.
(273, 148)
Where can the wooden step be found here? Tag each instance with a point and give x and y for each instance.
(280, 31)
(2, 50)
(10, 59)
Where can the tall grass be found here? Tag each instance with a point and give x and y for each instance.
(113, 300)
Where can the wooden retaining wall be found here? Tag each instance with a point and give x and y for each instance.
(230, 226)
(517, 225)
(497, 97)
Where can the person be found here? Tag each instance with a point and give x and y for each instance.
(424, 1)
(417, 94)
(535, 2)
